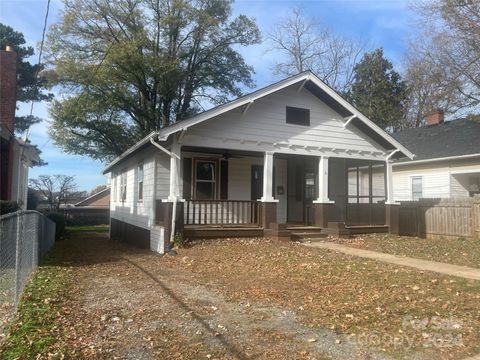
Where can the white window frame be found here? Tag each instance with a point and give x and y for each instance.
(114, 188)
(295, 121)
(123, 185)
(412, 178)
(214, 181)
(140, 187)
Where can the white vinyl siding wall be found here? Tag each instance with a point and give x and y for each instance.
(142, 214)
(439, 179)
(264, 124)
(163, 177)
(239, 181)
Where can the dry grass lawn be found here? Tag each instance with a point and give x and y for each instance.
(459, 251)
(247, 299)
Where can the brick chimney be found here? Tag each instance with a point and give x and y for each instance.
(435, 117)
(8, 88)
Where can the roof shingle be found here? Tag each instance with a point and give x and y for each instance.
(452, 138)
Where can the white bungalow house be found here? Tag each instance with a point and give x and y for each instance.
(446, 163)
(294, 153)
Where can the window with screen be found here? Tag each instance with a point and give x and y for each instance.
(205, 180)
(298, 116)
(417, 187)
(140, 181)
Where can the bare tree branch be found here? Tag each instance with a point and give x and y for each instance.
(307, 46)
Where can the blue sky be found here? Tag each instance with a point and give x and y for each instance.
(385, 23)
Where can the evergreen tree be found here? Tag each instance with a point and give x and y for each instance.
(30, 86)
(378, 91)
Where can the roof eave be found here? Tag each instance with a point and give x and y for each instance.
(128, 152)
(304, 76)
(446, 158)
(92, 196)
(362, 117)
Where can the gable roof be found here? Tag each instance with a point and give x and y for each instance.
(453, 138)
(104, 192)
(307, 80)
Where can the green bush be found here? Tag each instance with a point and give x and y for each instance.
(7, 206)
(59, 220)
(179, 240)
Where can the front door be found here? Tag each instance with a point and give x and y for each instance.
(309, 194)
(257, 182)
(301, 190)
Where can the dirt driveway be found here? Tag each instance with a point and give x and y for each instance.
(138, 308)
(251, 299)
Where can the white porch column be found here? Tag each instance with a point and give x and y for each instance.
(323, 181)
(174, 194)
(268, 178)
(389, 182)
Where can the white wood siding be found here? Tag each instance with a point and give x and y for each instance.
(163, 176)
(239, 181)
(263, 128)
(459, 185)
(441, 179)
(132, 211)
(157, 240)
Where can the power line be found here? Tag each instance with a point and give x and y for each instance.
(39, 60)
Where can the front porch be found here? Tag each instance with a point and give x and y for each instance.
(226, 193)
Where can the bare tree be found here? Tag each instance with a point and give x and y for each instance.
(57, 189)
(308, 46)
(450, 48)
(429, 87)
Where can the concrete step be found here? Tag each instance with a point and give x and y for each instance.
(311, 235)
(305, 228)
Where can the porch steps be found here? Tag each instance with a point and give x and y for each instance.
(336, 229)
(305, 233)
(310, 236)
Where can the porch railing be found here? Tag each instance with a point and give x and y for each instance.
(222, 212)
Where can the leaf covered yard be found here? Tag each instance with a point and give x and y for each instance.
(240, 299)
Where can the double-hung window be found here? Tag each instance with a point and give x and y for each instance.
(140, 181)
(205, 180)
(417, 187)
(123, 186)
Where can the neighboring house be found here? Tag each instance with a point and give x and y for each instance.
(99, 200)
(292, 153)
(16, 156)
(446, 163)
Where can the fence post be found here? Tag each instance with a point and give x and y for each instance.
(18, 259)
(476, 217)
(35, 242)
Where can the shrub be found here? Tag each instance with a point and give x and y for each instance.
(179, 240)
(59, 220)
(7, 206)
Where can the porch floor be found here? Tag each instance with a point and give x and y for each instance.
(222, 231)
(239, 230)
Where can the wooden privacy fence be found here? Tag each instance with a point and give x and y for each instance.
(87, 216)
(434, 218)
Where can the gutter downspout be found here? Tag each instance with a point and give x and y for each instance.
(389, 174)
(174, 210)
(169, 153)
(391, 154)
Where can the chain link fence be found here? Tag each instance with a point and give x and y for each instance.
(25, 237)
